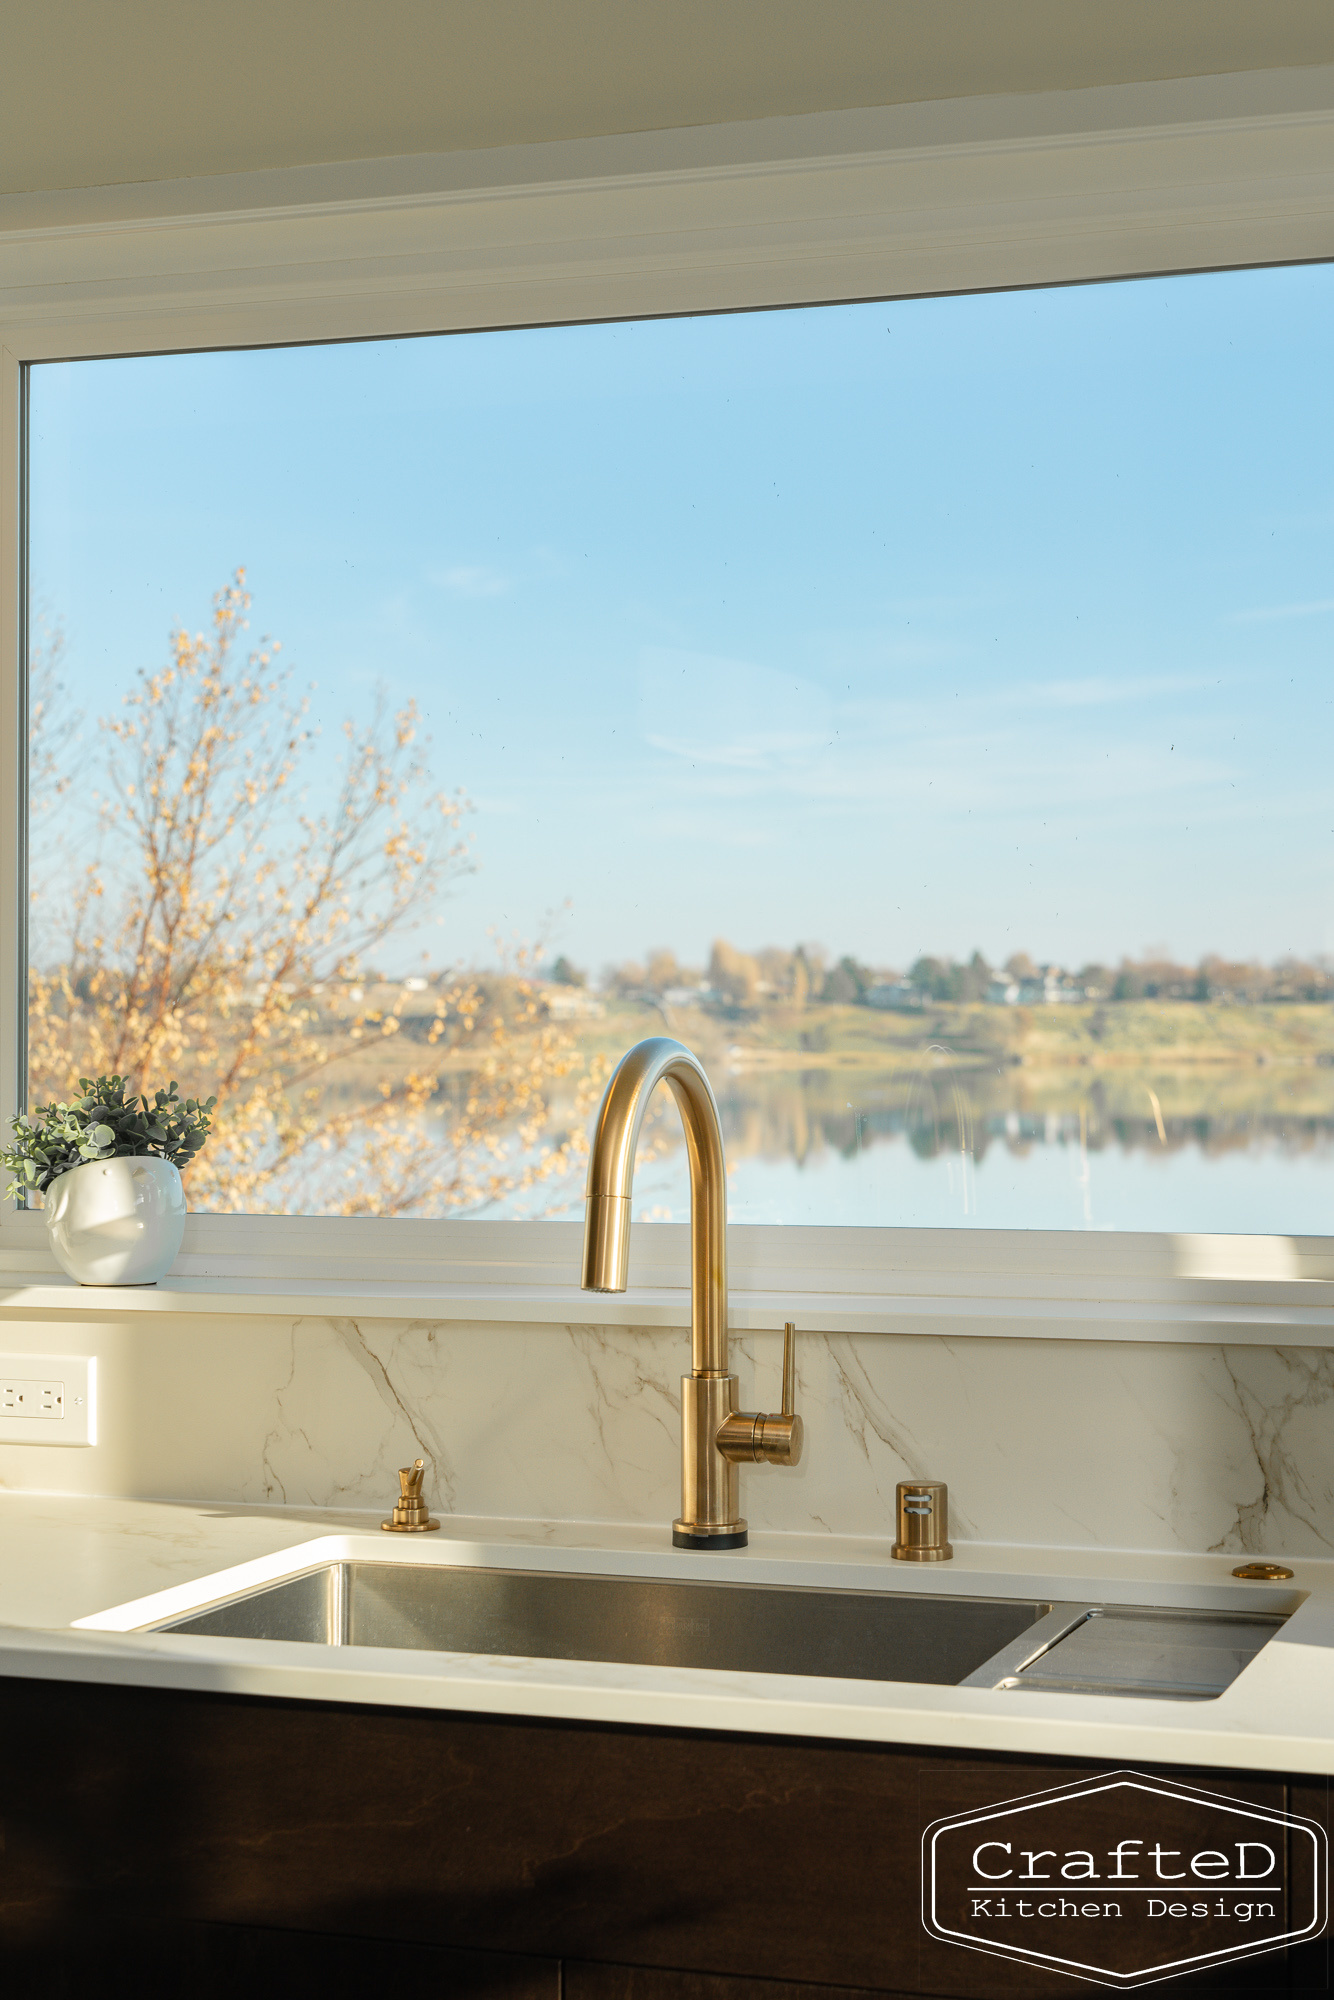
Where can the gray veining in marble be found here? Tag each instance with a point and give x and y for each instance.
(1079, 1444)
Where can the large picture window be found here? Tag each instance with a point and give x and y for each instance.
(921, 710)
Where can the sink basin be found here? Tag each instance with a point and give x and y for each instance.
(736, 1627)
(1015, 1644)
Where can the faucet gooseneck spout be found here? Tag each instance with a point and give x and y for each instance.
(715, 1436)
(611, 1170)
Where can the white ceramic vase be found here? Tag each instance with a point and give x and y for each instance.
(116, 1222)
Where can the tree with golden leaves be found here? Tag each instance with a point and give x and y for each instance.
(216, 928)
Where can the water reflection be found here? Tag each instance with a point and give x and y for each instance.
(950, 1146)
(802, 1114)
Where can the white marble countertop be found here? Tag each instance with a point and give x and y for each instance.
(71, 1559)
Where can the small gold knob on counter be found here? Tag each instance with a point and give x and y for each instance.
(923, 1522)
(1264, 1572)
(410, 1515)
(759, 1438)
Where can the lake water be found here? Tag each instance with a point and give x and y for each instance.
(869, 1150)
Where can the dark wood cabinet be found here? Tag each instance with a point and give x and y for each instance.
(639, 1982)
(230, 1843)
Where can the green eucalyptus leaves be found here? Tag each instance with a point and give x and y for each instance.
(103, 1124)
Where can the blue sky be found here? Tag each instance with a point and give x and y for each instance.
(1000, 622)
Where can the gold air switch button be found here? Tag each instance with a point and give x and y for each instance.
(923, 1522)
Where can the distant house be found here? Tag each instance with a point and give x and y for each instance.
(898, 995)
(1052, 987)
(571, 1003)
(688, 996)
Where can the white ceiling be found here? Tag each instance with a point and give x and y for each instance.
(94, 94)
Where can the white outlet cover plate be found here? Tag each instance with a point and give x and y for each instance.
(31, 1383)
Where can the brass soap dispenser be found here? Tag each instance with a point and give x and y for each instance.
(411, 1515)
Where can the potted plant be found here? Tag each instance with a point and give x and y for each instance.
(107, 1167)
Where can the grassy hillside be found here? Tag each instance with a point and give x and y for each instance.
(1136, 1033)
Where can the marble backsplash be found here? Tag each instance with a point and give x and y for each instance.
(1079, 1444)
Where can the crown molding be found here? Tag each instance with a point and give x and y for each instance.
(969, 194)
(954, 128)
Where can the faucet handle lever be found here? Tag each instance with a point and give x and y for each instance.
(762, 1437)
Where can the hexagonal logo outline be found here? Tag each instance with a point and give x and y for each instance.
(1155, 1787)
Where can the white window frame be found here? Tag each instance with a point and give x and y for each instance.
(981, 194)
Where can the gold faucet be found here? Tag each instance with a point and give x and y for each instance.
(716, 1437)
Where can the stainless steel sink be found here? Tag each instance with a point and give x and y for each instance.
(741, 1627)
(1019, 1644)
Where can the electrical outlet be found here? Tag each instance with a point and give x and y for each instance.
(32, 1399)
(48, 1399)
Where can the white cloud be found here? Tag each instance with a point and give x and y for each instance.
(470, 580)
(1266, 614)
(732, 743)
(732, 715)
(1098, 691)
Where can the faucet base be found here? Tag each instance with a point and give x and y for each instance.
(688, 1535)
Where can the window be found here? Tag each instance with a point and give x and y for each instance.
(921, 709)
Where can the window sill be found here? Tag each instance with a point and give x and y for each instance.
(953, 1284)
